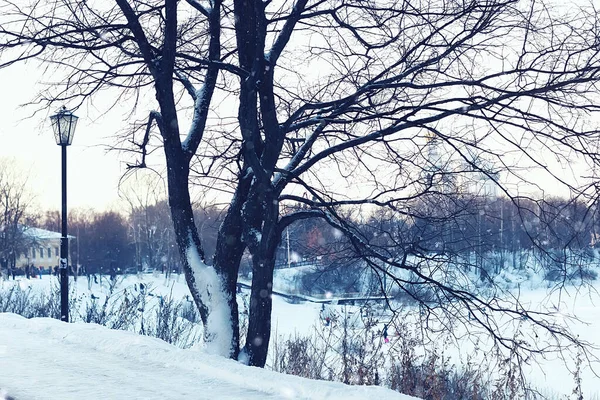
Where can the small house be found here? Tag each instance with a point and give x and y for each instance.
(43, 251)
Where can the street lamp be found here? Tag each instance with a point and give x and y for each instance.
(63, 124)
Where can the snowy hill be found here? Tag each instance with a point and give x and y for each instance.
(46, 341)
(46, 359)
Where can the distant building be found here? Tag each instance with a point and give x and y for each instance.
(438, 172)
(43, 251)
(474, 174)
(480, 181)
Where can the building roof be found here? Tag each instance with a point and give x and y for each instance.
(43, 234)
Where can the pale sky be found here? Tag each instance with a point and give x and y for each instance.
(93, 174)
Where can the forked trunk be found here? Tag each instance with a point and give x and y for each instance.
(211, 289)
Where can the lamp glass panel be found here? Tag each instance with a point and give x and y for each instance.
(64, 124)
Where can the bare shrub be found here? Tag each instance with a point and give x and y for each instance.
(169, 326)
(123, 310)
(96, 313)
(189, 311)
(127, 314)
(343, 352)
(29, 304)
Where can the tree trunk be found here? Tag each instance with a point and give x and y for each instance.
(263, 260)
(209, 294)
(228, 254)
(182, 215)
(261, 304)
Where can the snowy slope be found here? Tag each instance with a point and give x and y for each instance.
(46, 359)
(550, 375)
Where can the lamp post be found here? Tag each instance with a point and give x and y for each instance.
(63, 124)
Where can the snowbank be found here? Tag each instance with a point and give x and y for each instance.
(46, 359)
(209, 286)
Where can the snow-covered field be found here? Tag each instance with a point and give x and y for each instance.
(550, 374)
(45, 359)
(579, 309)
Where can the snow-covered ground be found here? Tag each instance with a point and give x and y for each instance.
(549, 374)
(579, 309)
(43, 358)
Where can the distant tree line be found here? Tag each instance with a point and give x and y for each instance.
(456, 224)
(481, 233)
(143, 239)
(466, 223)
(110, 242)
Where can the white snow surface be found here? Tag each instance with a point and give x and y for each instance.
(43, 234)
(210, 287)
(43, 358)
(548, 374)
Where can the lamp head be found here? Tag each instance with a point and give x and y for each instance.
(63, 124)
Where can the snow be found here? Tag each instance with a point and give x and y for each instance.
(43, 358)
(551, 375)
(550, 372)
(198, 104)
(255, 235)
(43, 234)
(210, 286)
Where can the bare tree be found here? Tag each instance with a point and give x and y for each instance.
(339, 103)
(16, 215)
(149, 223)
(151, 227)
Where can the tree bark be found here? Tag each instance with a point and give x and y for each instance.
(261, 304)
(261, 209)
(182, 215)
(228, 255)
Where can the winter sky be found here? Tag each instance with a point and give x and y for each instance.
(93, 173)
